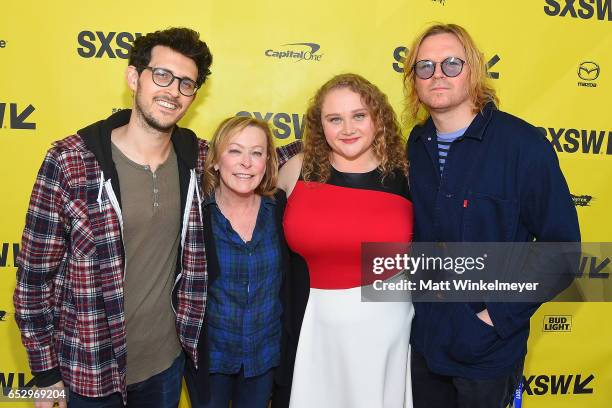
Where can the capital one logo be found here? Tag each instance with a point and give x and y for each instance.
(588, 71)
(296, 51)
(400, 53)
(99, 44)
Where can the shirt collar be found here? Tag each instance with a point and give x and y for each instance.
(210, 199)
(474, 131)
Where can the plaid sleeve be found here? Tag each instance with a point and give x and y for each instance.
(43, 247)
(288, 151)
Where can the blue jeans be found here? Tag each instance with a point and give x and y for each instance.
(252, 392)
(163, 390)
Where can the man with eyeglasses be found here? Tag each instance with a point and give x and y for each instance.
(112, 264)
(477, 174)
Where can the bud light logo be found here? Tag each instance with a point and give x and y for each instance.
(561, 323)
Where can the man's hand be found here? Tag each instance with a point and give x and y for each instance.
(48, 402)
(484, 316)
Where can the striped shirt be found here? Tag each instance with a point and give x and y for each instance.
(444, 143)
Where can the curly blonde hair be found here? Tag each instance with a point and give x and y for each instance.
(228, 128)
(388, 145)
(480, 89)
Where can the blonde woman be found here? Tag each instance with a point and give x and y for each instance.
(240, 343)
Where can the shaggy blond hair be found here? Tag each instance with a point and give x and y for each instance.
(480, 89)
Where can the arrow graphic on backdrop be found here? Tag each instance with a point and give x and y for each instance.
(490, 64)
(17, 120)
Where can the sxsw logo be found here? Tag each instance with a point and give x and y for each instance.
(588, 71)
(562, 384)
(14, 380)
(284, 124)
(100, 44)
(585, 9)
(17, 116)
(561, 323)
(399, 56)
(579, 140)
(582, 200)
(296, 51)
(8, 253)
(596, 267)
(442, 2)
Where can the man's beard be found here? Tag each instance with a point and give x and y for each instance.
(152, 122)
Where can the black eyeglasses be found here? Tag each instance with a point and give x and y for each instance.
(451, 67)
(164, 78)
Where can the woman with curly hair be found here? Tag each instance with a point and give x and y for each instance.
(348, 187)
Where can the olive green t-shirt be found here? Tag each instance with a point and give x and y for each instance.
(150, 206)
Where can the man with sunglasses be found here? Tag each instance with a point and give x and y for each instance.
(112, 262)
(477, 174)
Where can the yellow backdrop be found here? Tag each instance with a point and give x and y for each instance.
(62, 67)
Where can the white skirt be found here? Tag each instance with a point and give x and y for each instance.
(353, 354)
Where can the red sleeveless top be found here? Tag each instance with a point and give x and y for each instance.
(327, 223)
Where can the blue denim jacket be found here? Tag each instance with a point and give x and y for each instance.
(501, 183)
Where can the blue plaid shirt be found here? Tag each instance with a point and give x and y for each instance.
(244, 309)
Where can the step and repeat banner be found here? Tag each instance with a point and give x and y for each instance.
(62, 66)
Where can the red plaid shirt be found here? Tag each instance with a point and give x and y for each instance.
(69, 293)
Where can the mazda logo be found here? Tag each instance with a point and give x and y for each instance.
(588, 71)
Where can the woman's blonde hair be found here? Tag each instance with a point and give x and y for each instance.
(228, 128)
(388, 144)
(480, 89)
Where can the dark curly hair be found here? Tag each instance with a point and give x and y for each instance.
(388, 145)
(183, 40)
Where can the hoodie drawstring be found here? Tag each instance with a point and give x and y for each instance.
(100, 188)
